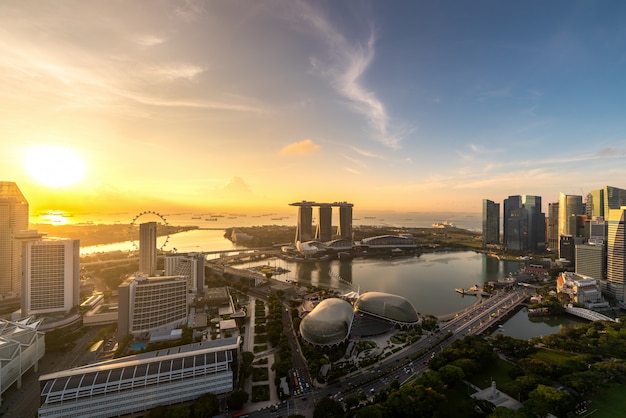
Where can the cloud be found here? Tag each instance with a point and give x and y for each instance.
(303, 147)
(177, 71)
(348, 63)
(365, 153)
(149, 40)
(351, 170)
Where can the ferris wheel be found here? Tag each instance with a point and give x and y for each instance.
(163, 236)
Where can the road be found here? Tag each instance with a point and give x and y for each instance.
(403, 365)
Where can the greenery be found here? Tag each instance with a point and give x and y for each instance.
(260, 374)
(260, 393)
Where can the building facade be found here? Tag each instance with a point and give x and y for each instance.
(491, 223)
(536, 222)
(553, 227)
(139, 383)
(149, 304)
(147, 248)
(591, 261)
(510, 204)
(13, 220)
(581, 289)
(51, 275)
(188, 265)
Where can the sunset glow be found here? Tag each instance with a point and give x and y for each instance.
(411, 106)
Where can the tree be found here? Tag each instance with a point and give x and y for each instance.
(236, 399)
(370, 411)
(451, 374)
(546, 399)
(206, 406)
(328, 408)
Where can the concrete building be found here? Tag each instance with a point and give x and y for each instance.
(344, 230)
(148, 304)
(324, 229)
(21, 348)
(147, 248)
(188, 265)
(591, 261)
(136, 384)
(13, 219)
(51, 274)
(323, 232)
(491, 223)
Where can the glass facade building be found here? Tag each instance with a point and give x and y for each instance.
(491, 222)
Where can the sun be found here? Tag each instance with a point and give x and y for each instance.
(55, 166)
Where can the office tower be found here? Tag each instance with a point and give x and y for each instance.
(51, 274)
(148, 304)
(324, 228)
(536, 222)
(598, 229)
(591, 261)
(517, 230)
(344, 230)
(13, 219)
(567, 247)
(594, 206)
(510, 204)
(570, 206)
(491, 222)
(147, 248)
(615, 213)
(553, 226)
(188, 265)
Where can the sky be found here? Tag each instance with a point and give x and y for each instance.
(400, 106)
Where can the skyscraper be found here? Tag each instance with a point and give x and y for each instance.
(570, 206)
(594, 206)
(51, 274)
(517, 230)
(491, 222)
(13, 219)
(536, 222)
(615, 213)
(344, 230)
(147, 248)
(553, 226)
(510, 204)
(324, 229)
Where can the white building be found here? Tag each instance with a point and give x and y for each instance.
(139, 383)
(147, 304)
(581, 289)
(189, 265)
(21, 347)
(50, 274)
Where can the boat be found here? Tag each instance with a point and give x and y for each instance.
(210, 219)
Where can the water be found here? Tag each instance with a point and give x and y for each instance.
(427, 281)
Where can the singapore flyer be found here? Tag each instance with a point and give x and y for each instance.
(163, 228)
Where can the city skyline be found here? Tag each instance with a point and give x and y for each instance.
(415, 106)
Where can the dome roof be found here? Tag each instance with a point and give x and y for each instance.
(328, 323)
(385, 305)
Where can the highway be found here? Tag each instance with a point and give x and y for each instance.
(404, 364)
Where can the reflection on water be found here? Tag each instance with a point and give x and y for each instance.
(522, 327)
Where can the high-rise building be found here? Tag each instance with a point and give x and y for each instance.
(147, 248)
(148, 304)
(344, 230)
(304, 229)
(567, 248)
(517, 230)
(594, 206)
(615, 213)
(510, 204)
(570, 207)
(491, 222)
(553, 226)
(536, 222)
(591, 261)
(13, 219)
(188, 265)
(324, 228)
(51, 274)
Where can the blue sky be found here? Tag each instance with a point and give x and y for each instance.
(403, 105)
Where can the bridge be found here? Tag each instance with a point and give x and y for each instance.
(588, 314)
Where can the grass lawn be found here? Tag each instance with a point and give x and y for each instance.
(609, 402)
(552, 357)
(499, 372)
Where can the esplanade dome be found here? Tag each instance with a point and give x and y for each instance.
(328, 324)
(387, 306)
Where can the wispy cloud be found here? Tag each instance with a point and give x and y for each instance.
(303, 147)
(368, 154)
(351, 170)
(349, 61)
